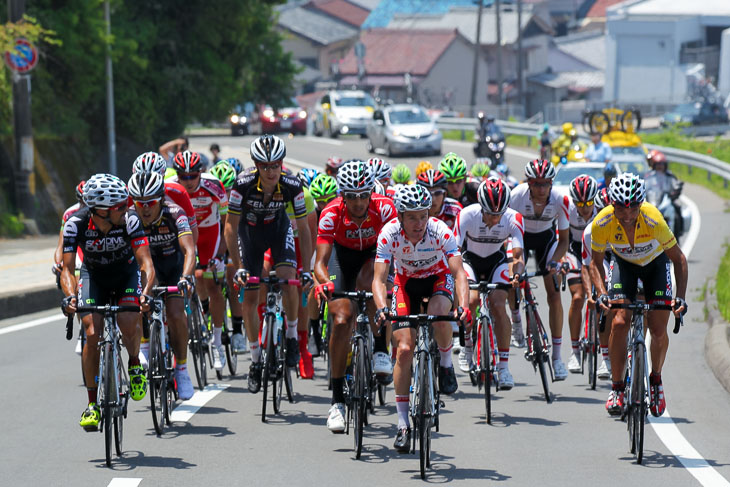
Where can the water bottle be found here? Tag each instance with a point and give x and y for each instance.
(304, 300)
(277, 328)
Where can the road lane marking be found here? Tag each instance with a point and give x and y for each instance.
(124, 482)
(323, 140)
(30, 324)
(188, 408)
(694, 229)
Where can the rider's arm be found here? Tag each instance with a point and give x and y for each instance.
(518, 262)
(677, 257)
(456, 267)
(188, 248)
(68, 277)
(563, 228)
(597, 273)
(324, 251)
(58, 253)
(223, 246)
(171, 146)
(144, 259)
(230, 233)
(305, 242)
(380, 278)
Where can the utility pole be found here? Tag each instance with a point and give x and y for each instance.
(23, 130)
(475, 68)
(520, 59)
(111, 135)
(500, 80)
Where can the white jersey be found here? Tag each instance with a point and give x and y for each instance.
(555, 210)
(587, 253)
(577, 223)
(427, 258)
(473, 235)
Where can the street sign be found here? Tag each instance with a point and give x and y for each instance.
(23, 57)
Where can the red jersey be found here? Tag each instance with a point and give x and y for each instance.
(450, 209)
(177, 194)
(209, 200)
(335, 224)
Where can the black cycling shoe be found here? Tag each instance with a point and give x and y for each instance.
(447, 380)
(292, 352)
(403, 440)
(384, 380)
(254, 377)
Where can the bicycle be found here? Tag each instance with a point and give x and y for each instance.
(425, 400)
(226, 336)
(113, 391)
(273, 355)
(590, 345)
(538, 346)
(161, 370)
(483, 371)
(199, 338)
(636, 374)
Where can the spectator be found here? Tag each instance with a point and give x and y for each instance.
(215, 150)
(169, 149)
(598, 151)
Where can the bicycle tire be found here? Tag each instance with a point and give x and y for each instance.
(268, 355)
(120, 410)
(357, 401)
(486, 366)
(594, 348)
(107, 410)
(539, 352)
(231, 358)
(155, 380)
(639, 400)
(196, 343)
(82, 337)
(421, 421)
(281, 368)
(170, 391)
(288, 384)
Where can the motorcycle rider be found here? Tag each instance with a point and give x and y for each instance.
(661, 179)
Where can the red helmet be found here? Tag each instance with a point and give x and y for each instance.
(583, 188)
(539, 169)
(493, 195)
(654, 156)
(80, 191)
(432, 178)
(187, 161)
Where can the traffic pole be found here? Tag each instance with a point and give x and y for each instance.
(111, 135)
(475, 67)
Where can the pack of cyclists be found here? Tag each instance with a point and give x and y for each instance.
(362, 225)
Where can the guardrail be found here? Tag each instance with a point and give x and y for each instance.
(689, 158)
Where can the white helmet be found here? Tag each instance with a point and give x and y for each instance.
(627, 190)
(146, 185)
(104, 191)
(379, 188)
(149, 162)
(381, 169)
(268, 148)
(412, 198)
(356, 176)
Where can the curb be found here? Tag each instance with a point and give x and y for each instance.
(12, 305)
(717, 346)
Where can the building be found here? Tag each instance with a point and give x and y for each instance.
(654, 47)
(433, 66)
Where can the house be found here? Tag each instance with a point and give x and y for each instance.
(654, 45)
(595, 19)
(343, 10)
(434, 66)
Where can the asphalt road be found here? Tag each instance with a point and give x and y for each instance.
(570, 441)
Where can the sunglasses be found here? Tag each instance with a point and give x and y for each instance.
(455, 180)
(581, 204)
(147, 203)
(438, 192)
(269, 167)
(491, 213)
(117, 207)
(348, 195)
(633, 205)
(188, 176)
(539, 185)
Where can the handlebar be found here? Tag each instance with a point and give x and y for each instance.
(160, 290)
(426, 319)
(272, 280)
(484, 286)
(640, 306)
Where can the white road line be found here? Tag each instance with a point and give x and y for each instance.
(124, 482)
(30, 324)
(188, 408)
(323, 140)
(521, 153)
(663, 426)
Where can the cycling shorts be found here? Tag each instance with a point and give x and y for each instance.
(414, 290)
(656, 277)
(97, 290)
(575, 262)
(543, 245)
(493, 268)
(209, 239)
(345, 264)
(168, 270)
(255, 240)
(297, 248)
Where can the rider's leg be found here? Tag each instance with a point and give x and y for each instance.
(178, 328)
(340, 312)
(405, 339)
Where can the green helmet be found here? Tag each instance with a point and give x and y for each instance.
(401, 174)
(453, 166)
(225, 172)
(479, 170)
(323, 187)
(170, 173)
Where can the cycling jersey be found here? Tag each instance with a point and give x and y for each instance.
(108, 252)
(247, 199)
(450, 209)
(652, 236)
(556, 210)
(577, 227)
(469, 195)
(336, 226)
(69, 211)
(163, 234)
(177, 194)
(310, 205)
(426, 258)
(474, 236)
(209, 200)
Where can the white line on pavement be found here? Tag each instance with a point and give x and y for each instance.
(124, 482)
(30, 324)
(188, 408)
(323, 140)
(694, 229)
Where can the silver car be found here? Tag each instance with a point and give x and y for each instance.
(403, 129)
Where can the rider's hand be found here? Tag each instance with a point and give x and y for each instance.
(144, 303)
(679, 306)
(381, 316)
(515, 281)
(217, 266)
(603, 302)
(240, 278)
(68, 305)
(553, 267)
(57, 268)
(185, 284)
(589, 299)
(323, 291)
(464, 315)
(306, 280)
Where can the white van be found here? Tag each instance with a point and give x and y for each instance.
(343, 112)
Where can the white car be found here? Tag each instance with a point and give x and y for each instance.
(567, 172)
(403, 129)
(343, 112)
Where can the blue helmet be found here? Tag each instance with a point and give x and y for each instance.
(307, 175)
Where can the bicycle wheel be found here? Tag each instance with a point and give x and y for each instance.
(196, 343)
(381, 394)
(170, 392)
(267, 359)
(280, 368)
(107, 407)
(288, 384)
(155, 379)
(540, 357)
(421, 421)
(358, 400)
(120, 412)
(485, 365)
(639, 399)
(594, 348)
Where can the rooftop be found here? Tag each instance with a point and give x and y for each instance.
(386, 9)
(589, 47)
(713, 8)
(598, 9)
(343, 10)
(315, 26)
(573, 80)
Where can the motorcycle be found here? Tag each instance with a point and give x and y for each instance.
(566, 154)
(678, 218)
(490, 144)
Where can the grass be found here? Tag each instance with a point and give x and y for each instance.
(699, 176)
(723, 284)
(719, 148)
(511, 140)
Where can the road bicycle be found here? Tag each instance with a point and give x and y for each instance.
(199, 337)
(113, 388)
(227, 333)
(590, 345)
(483, 370)
(636, 373)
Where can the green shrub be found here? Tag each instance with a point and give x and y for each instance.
(723, 285)
(11, 226)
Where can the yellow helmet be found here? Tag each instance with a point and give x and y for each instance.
(567, 127)
(572, 133)
(423, 166)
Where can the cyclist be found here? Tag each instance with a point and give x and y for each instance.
(323, 189)
(454, 168)
(236, 164)
(600, 202)
(307, 175)
(211, 205)
(401, 174)
(260, 197)
(383, 173)
(643, 247)
(481, 231)
(427, 264)
(444, 208)
(116, 262)
(346, 243)
(333, 165)
(479, 171)
(583, 190)
(609, 172)
(58, 254)
(168, 231)
(544, 208)
(422, 167)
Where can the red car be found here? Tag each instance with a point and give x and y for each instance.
(267, 120)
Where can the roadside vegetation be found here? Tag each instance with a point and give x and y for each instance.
(722, 285)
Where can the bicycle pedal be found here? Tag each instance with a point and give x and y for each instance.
(441, 404)
(91, 429)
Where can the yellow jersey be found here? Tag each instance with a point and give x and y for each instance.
(652, 235)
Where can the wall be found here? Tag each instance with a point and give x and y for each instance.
(724, 78)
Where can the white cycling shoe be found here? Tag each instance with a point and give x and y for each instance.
(382, 364)
(185, 388)
(336, 418)
(561, 373)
